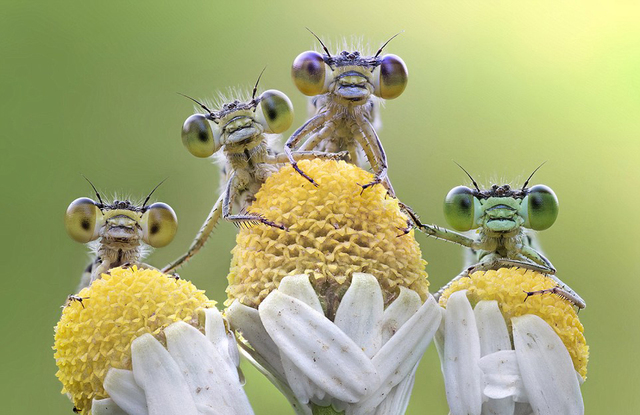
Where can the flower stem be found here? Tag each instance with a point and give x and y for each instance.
(324, 410)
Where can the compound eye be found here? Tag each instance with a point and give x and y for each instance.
(390, 77)
(542, 208)
(80, 220)
(459, 208)
(198, 137)
(159, 225)
(275, 111)
(308, 72)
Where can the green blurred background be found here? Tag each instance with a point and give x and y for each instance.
(497, 86)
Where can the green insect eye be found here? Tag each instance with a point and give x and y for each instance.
(198, 137)
(390, 77)
(159, 225)
(275, 111)
(540, 208)
(80, 220)
(459, 208)
(308, 72)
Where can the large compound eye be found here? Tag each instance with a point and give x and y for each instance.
(80, 220)
(275, 111)
(540, 208)
(308, 72)
(459, 208)
(390, 77)
(198, 137)
(159, 225)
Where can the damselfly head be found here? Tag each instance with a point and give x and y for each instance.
(349, 75)
(120, 221)
(501, 209)
(237, 123)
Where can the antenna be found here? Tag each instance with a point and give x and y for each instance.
(94, 189)
(154, 189)
(474, 182)
(524, 186)
(323, 46)
(385, 44)
(255, 88)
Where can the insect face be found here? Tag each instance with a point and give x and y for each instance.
(238, 126)
(120, 222)
(500, 216)
(349, 77)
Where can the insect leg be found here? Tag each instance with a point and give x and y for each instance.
(562, 291)
(308, 127)
(250, 218)
(316, 138)
(496, 262)
(201, 237)
(306, 155)
(536, 257)
(372, 146)
(447, 235)
(463, 274)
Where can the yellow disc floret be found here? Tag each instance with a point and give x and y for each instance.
(507, 286)
(334, 230)
(95, 331)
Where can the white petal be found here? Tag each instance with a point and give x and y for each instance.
(462, 376)
(318, 348)
(399, 356)
(502, 376)
(158, 374)
(504, 406)
(298, 286)
(360, 312)
(546, 368)
(397, 400)
(523, 408)
(398, 312)
(299, 383)
(224, 342)
(492, 329)
(247, 321)
(212, 379)
(108, 407)
(125, 392)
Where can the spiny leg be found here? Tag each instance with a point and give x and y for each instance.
(316, 138)
(536, 257)
(413, 219)
(495, 262)
(571, 296)
(372, 146)
(201, 237)
(308, 127)
(451, 236)
(240, 219)
(305, 155)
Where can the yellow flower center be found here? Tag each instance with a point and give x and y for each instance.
(334, 230)
(95, 334)
(507, 286)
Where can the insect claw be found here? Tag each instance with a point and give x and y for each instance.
(303, 174)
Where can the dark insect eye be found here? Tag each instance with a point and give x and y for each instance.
(198, 137)
(275, 111)
(541, 206)
(308, 72)
(390, 77)
(159, 225)
(80, 219)
(459, 208)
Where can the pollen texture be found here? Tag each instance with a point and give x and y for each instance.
(507, 286)
(117, 309)
(334, 230)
